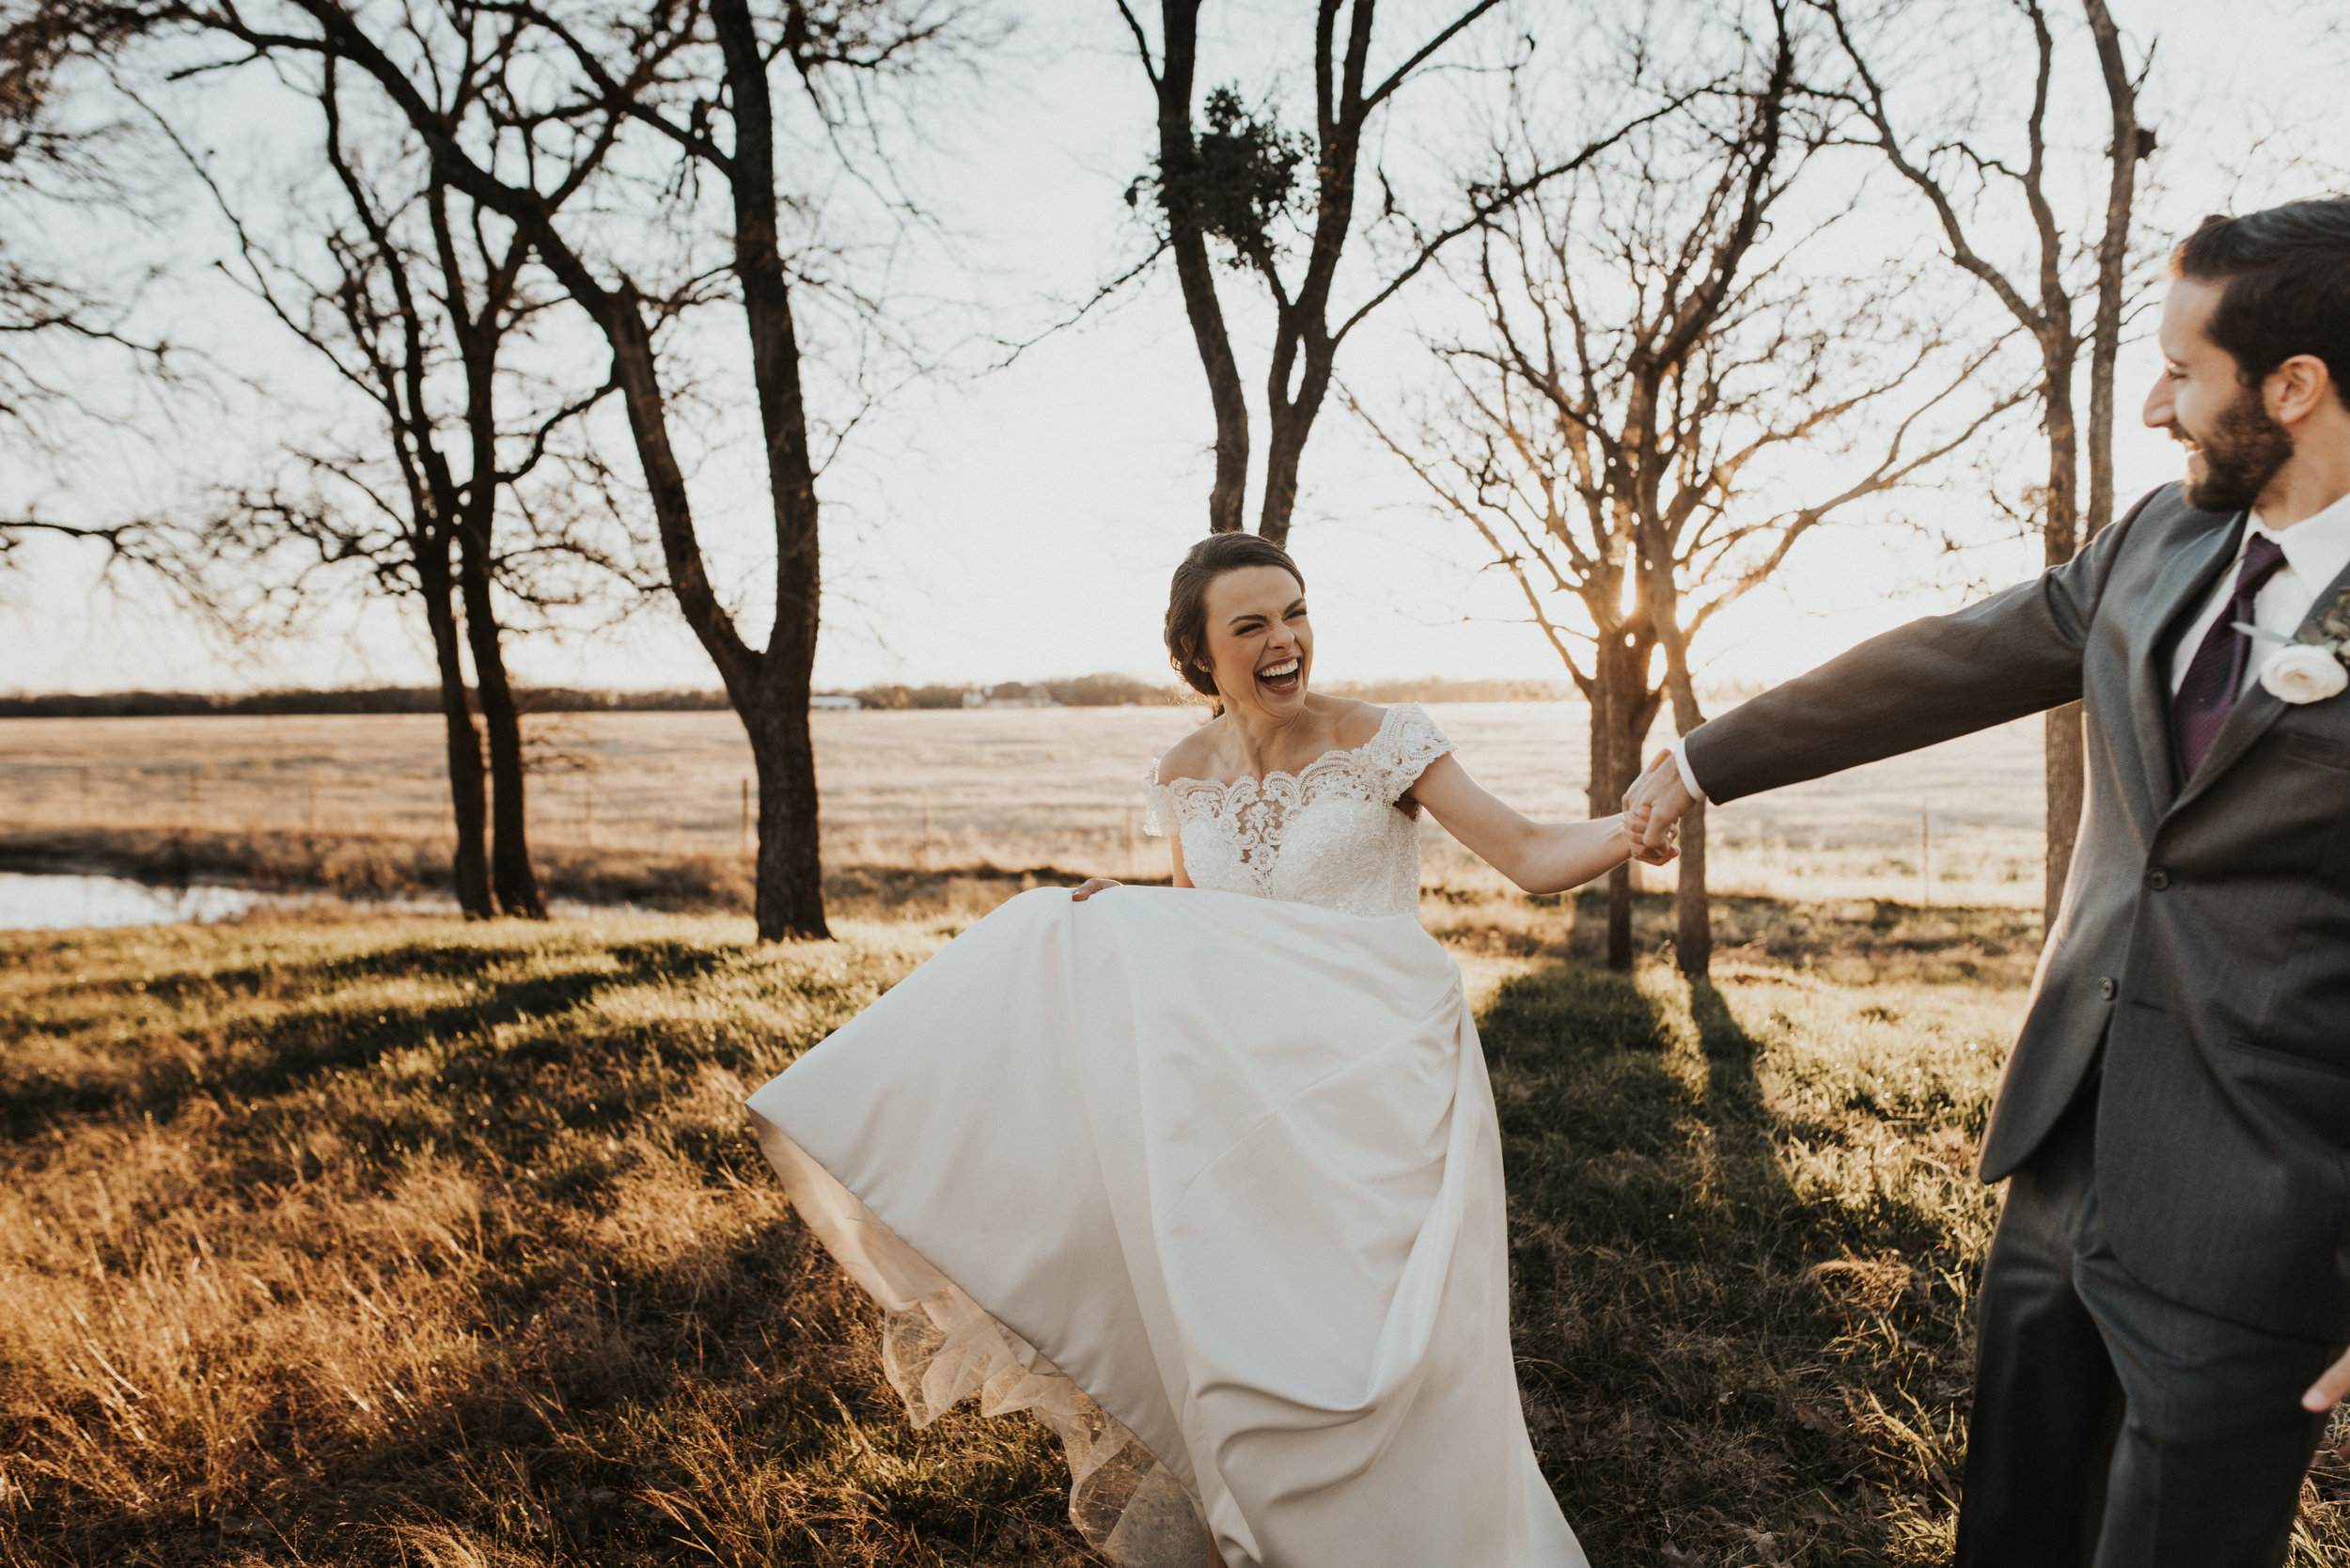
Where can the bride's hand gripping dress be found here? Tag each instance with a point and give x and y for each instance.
(1208, 1180)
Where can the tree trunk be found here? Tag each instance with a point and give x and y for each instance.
(1284, 449)
(790, 902)
(1693, 907)
(1229, 494)
(1302, 331)
(466, 802)
(2066, 775)
(510, 872)
(1620, 919)
(2061, 787)
(1621, 712)
(2104, 335)
(1195, 272)
(790, 898)
(1606, 798)
(2067, 742)
(2064, 757)
(768, 691)
(1291, 422)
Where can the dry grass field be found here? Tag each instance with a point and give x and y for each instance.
(408, 1242)
(649, 805)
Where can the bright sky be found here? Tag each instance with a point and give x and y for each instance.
(1021, 523)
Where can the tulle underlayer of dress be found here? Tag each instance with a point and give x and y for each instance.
(1212, 1185)
(939, 1347)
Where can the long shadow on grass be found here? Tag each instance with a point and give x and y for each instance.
(1666, 1329)
(629, 1401)
(265, 1056)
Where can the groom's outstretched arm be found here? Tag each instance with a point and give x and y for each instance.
(2014, 653)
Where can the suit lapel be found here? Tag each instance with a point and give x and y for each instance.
(2250, 719)
(2185, 581)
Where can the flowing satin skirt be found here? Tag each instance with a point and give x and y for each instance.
(1213, 1186)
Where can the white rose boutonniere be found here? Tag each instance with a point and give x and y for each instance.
(2304, 673)
(2314, 666)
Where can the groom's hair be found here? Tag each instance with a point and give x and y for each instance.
(2284, 276)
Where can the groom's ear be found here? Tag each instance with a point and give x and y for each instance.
(2298, 388)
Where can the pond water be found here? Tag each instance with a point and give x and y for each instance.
(45, 901)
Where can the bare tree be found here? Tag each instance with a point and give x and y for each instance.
(122, 542)
(413, 298)
(1235, 183)
(53, 309)
(691, 83)
(1956, 179)
(1659, 338)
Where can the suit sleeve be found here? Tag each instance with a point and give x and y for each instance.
(2017, 652)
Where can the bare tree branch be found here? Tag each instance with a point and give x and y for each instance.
(1616, 459)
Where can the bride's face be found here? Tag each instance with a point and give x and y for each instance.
(1259, 645)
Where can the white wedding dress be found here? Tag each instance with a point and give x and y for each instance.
(1210, 1180)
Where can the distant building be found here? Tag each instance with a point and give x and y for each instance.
(1011, 693)
(834, 704)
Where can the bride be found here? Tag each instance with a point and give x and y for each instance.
(1209, 1178)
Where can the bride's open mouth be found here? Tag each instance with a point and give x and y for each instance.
(1283, 677)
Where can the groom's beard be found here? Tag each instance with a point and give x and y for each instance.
(2241, 453)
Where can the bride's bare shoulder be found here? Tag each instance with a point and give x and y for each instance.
(1194, 755)
(1358, 723)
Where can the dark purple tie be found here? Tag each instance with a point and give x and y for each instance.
(2215, 674)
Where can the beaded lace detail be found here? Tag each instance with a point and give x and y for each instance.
(1330, 834)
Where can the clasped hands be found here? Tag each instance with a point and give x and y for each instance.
(1652, 809)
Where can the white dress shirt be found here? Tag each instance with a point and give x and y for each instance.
(2316, 549)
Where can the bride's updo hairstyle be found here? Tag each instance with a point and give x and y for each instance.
(1187, 597)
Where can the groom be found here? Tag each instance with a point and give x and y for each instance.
(2166, 1301)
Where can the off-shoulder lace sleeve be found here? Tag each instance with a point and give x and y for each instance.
(1158, 805)
(1407, 742)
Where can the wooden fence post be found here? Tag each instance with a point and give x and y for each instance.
(1925, 852)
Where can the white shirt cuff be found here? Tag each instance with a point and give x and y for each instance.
(1688, 779)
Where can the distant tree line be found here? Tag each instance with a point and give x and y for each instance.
(1083, 691)
(1387, 693)
(1116, 691)
(348, 699)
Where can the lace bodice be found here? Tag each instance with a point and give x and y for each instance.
(1330, 834)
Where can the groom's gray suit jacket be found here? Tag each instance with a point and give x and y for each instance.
(2205, 937)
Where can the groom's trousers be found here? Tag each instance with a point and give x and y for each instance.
(2112, 1428)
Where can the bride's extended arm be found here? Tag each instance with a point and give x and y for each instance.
(1541, 858)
